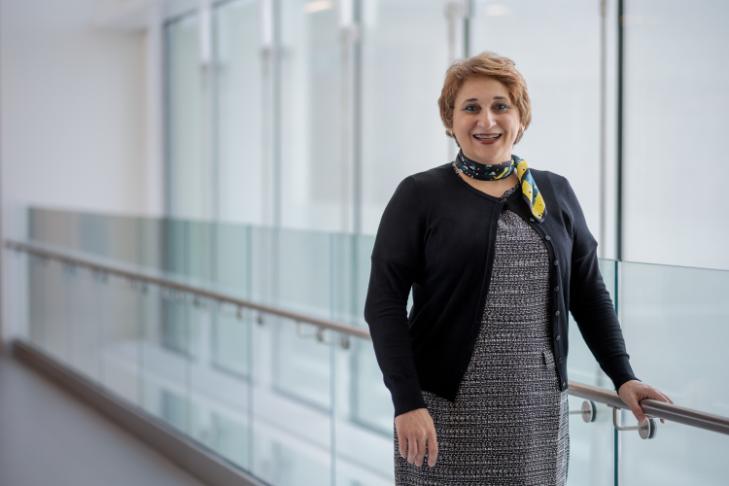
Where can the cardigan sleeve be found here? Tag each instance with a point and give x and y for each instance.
(590, 302)
(396, 259)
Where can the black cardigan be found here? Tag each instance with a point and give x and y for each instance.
(437, 236)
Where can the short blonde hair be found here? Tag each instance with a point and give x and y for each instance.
(488, 65)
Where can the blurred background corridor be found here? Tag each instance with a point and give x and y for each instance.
(190, 192)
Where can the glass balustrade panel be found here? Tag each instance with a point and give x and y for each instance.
(291, 425)
(591, 444)
(218, 395)
(83, 322)
(675, 325)
(46, 313)
(363, 411)
(120, 337)
(16, 285)
(168, 355)
(233, 381)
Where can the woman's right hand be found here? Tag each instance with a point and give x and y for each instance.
(416, 434)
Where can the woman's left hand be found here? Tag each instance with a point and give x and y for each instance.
(633, 391)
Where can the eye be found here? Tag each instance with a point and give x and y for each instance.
(502, 107)
(471, 108)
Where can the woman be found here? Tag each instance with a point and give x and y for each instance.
(496, 254)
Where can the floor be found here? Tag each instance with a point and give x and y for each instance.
(47, 436)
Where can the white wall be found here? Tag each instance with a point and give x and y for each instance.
(73, 92)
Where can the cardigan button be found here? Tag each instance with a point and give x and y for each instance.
(556, 289)
(556, 313)
(531, 219)
(557, 337)
(556, 263)
(548, 238)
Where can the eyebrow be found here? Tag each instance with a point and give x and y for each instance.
(495, 98)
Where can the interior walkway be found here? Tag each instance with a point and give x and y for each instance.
(47, 436)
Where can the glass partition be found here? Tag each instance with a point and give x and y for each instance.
(675, 324)
(191, 187)
(239, 111)
(404, 56)
(591, 444)
(281, 399)
(661, 36)
(294, 404)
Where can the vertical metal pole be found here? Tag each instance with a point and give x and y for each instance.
(274, 257)
(349, 33)
(214, 82)
(166, 225)
(616, 435)
(619, 195)
(616, 455)
(357, 196)
(457, 13)
(270, 73)
(620, 127)
(276, 122)
(602, 183)
(357, 192)
(166, 131)
(217, 195)
(2, 249)
(348, 39)
(270, 102)
(155, 66)
(207, 66)
(468, 8)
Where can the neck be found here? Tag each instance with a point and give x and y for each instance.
(483, 172)
(487, 162)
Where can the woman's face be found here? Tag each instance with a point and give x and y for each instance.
(485, 123)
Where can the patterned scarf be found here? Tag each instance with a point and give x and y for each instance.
(493, 172)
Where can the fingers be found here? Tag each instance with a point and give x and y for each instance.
(413, 450)
(657, 395)
(432, 449)
(420, 456)
(429, 444)
(416, 451)
(638, 412)
(633, 392)
(403, 445)
(632, 403)
(416, 436)
(642, 393)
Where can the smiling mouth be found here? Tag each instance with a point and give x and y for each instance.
(487, 139)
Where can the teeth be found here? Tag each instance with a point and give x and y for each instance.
(487, 137)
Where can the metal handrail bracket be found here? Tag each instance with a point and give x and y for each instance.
(654, 408)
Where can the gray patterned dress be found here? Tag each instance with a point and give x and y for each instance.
(509, 422)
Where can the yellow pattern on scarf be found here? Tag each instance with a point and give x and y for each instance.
(530, 191)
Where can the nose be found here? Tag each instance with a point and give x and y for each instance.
(486, 120)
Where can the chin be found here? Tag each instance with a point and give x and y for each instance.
(492, 156)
